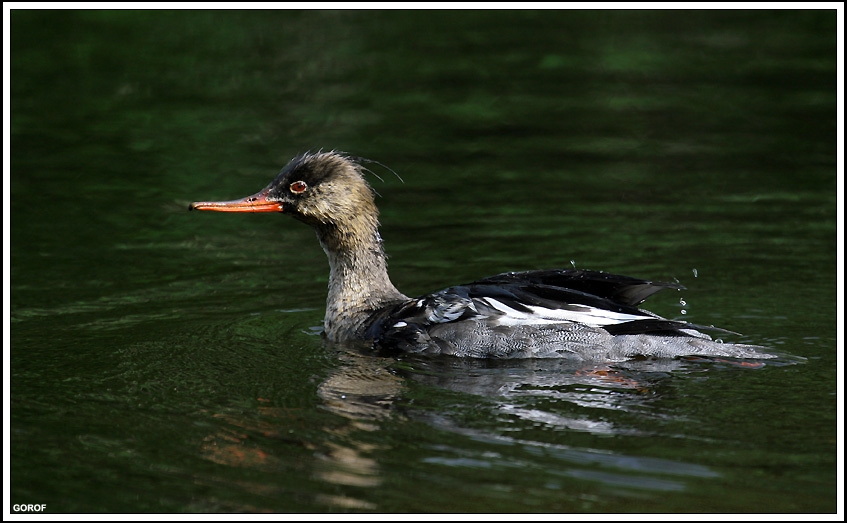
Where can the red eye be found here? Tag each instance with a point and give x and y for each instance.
(298, 187)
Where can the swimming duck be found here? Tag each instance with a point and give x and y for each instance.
(574, 313)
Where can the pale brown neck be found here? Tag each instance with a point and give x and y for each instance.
(358, 280)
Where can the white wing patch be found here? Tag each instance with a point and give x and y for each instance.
(540, 315)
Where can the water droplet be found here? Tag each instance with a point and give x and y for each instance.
(683, 311)
(694, 270)
(682, 302)
(573, 263)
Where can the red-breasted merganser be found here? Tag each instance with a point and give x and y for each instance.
(572, 313)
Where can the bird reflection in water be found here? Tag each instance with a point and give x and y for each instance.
(364, 390)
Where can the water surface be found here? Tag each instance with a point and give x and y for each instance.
(166, 361)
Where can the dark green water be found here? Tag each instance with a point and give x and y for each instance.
(166, 361)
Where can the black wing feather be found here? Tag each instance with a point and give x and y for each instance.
(552, 289)
(624, 290)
